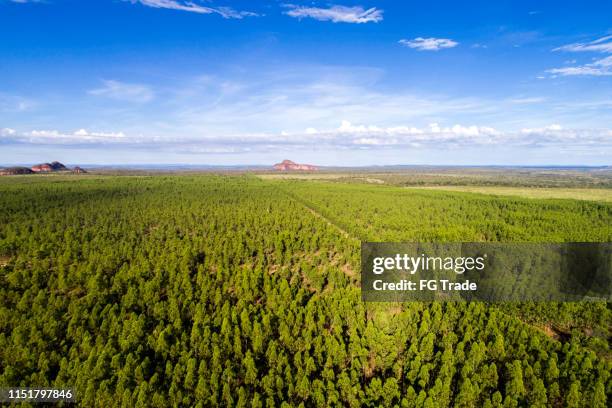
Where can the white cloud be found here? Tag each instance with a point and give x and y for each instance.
(429, 44)
(337, 14)
(553, 127)
(439, 136)
(346, 136)
(364, 136)
(316, 97)
(315, 107)
(15, 103)
(601, 67)
(53, 137)
(527, 100)
(556, 135)
(84, 134)
(580, 71)
(7, 132)
(124, 92)
(603, 44)
(192, 7)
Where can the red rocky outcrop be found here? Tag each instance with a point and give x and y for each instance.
(49, 167)
(40, 169)
(288, 165)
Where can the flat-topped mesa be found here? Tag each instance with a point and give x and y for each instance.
(288, 165)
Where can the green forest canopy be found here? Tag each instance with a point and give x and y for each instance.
(216, 290)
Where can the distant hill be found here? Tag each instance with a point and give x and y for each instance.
(288, 165)
(9, 171)
(43, 168)
(49, 167)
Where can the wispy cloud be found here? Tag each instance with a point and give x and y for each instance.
(292, 108)
(362, 136)
(289, 99)
(346, 136)
(122, 91)
(429, 44)
(7, 132)
(603, 44)
(336, 14)
(317, 96)
(80, 136)
(192, 7)
(527, 100)
(599, 67)
(14, 103)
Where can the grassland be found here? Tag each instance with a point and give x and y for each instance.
(301, 176)
(580, 178)
(591, 194)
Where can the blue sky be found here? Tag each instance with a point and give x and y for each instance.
(346, 82)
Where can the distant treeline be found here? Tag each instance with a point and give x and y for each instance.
(488, 176)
